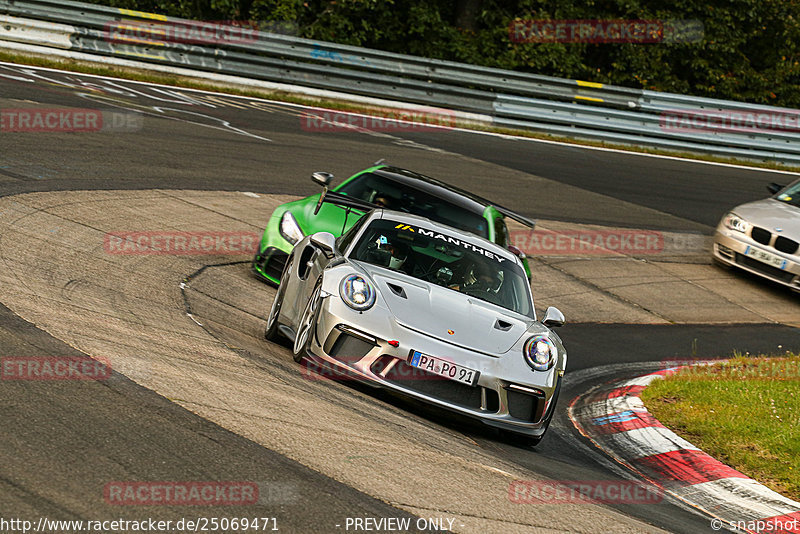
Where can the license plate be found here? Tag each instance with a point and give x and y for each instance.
(443, 368)
(766, 257)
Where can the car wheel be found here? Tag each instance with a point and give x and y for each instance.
(272, 333)
(305, 328)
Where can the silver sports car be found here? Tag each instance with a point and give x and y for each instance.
(762, 237)
(428, 311)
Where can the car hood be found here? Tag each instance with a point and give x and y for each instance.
(447, 315)
(771, 214)
(330, 218)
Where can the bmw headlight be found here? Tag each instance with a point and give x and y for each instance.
(357, 292)
(734, 222)
(540, 353)
(289, 228)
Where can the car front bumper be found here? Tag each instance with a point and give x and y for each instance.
(731, 248)
(508, 394)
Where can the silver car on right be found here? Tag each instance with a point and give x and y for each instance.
(763, 237)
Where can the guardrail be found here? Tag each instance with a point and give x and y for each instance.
(512, 99)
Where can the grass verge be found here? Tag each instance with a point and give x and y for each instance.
(744, 412)
(152, 76)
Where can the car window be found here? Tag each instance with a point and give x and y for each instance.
(343, 241)
(791, 195)
(447, 261)
(396, 196)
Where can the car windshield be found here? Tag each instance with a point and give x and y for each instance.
(791, 195)
(447, 261)
(393, 195)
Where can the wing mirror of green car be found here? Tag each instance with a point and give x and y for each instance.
(553, 317)
(322, 178)
(325, 242)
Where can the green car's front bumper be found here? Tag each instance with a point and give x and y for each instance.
(273, 250)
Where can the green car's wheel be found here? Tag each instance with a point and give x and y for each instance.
(272, 333)
(306, 326)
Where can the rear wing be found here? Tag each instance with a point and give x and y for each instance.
(517, 217)
(338, 199)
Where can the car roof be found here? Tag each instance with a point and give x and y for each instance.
(458, 197)
(428, 224)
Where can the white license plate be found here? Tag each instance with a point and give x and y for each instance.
(443, 368)
(766, 257)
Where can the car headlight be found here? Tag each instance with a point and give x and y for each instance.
(289, 228)
(734, 222)
(540, 353)
(357, 292)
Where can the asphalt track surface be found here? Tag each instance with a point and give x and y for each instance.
(65, 443)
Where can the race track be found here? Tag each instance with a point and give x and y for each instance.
(197, 394)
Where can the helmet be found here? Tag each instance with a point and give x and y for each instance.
(399, 252)
(392, 255)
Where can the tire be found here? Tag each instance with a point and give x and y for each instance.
(307, 324)
(272, 333)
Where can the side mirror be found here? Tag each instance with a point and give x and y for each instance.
(774, 188)
(322, 178)
(553, 317)
(325, 242)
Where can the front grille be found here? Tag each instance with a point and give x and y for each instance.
(350, 349)
(524, 406)
(434, 386)
(761, 235)
(763, 268)
(784, 244)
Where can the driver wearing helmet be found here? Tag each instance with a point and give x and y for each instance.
(389, 254)
(477, 278)
(399, 252)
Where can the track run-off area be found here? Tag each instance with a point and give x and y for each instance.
(197, 394)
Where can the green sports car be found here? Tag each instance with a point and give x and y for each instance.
(382, 186)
